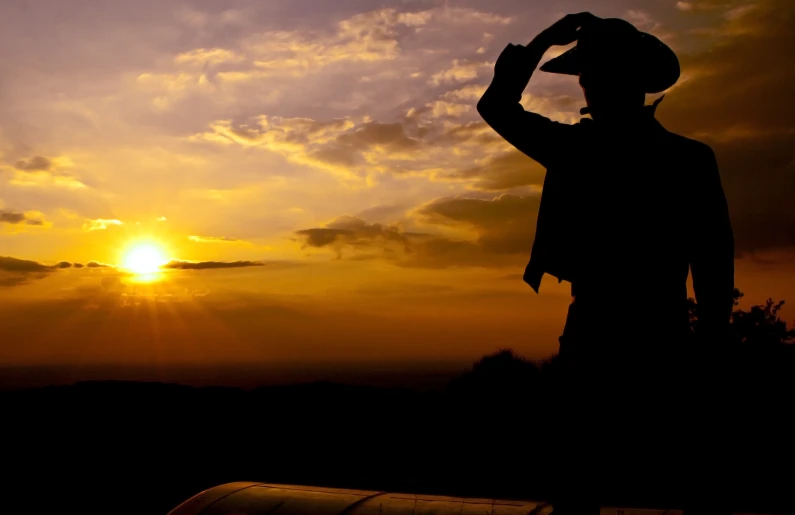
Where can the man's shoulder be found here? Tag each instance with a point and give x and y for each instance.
(686, 147)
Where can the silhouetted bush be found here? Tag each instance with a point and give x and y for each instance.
(500, 379)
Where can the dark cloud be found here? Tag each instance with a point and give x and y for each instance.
(203, 265)
(502, 231)
(336, 155)
(34, 164)
(354, 232)
(503, 224)
(358, 226)
(738, 100)
(14, 272)
(9, 264)
(321, 237)
(12, 279)
(13, 217)
(347, 148)
(391, 135)
(94, 264)
(502, 172)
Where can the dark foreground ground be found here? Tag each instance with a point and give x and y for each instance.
(123, 447)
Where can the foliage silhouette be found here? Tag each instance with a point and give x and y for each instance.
(759, 325)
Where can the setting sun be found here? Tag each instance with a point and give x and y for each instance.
(144, 258)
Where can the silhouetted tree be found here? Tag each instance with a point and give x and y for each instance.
(503, 378)
(759, 325)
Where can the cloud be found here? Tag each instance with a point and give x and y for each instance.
(355, 233)
(100, 224)
(360, 41)
(358, 147)
(321, 237)
(702, 5)
(461, 71)
(439, 139)
(34, 164)
(642, 20)
(470, 93)
(204, 265)
(368, 37)
(96, 264)
(503, 224)
(14, 272)
(501, 172)
(347, 147)
(14, 217)
(499, 231)
(44, 172)
(204, 56)
(211, 239)
(10, 264)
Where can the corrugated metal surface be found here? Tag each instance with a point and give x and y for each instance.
(271, 499)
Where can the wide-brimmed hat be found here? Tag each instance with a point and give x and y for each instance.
(618, 43)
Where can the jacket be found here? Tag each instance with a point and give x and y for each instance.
(637, 202)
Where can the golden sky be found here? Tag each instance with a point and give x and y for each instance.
(319, 178)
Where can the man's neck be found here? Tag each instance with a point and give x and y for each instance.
(621, 117)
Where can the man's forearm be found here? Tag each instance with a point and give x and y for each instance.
(500, 106)
(511, 80)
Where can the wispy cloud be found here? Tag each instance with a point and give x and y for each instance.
(100, 224)
(211, 239)
(205, 265)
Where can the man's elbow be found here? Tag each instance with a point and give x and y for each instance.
(491, 112)
(485, 108)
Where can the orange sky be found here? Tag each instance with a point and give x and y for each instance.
(324, 161)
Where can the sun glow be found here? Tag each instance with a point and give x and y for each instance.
(144, 258)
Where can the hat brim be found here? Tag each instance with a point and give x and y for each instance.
(658, 66)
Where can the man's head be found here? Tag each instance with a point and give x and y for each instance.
(617, 65)
(609, 84)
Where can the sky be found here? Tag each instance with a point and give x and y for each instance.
(318, 180)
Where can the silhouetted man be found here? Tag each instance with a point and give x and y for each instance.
(627, 209)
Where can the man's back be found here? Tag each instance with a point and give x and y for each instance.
(634, 196)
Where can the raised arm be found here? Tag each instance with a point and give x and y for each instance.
(533, 134)
(712, 258)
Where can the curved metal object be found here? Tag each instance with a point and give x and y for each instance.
(274, 499)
